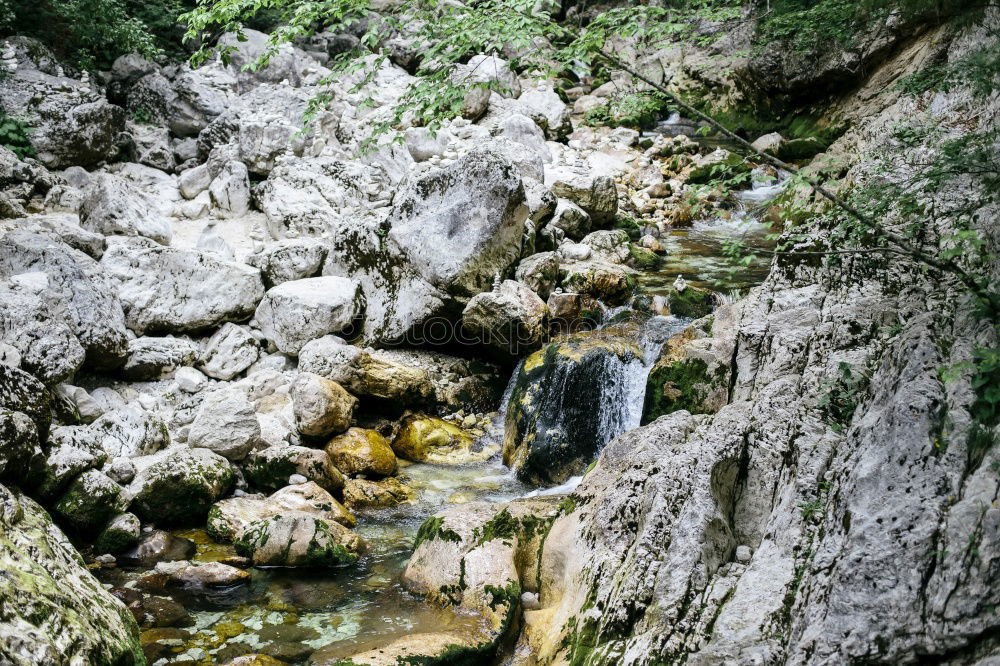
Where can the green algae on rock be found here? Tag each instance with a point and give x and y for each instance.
(181, 487)
(51, 609)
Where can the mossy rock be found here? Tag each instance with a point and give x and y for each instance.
(296, 538)
(361, 451)
(693, 302)
(270, 468)
(89, 503)
(121, 533)
(556, 413)
(181, 488)
(425, 438)
(642, 258)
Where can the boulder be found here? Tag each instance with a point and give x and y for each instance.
(496, 73)
(151, 358)
(609, 245)
(539, 272)
(89, 502)
(367, 494)
(570, 219)
(230, 190)
(462, 225)
(718, 165)
(129, 432)
(595, 194)
(208, 574)
(612, 284)
(544, 106)
(68, 229)
(429, 439)
(157, 546)
(528, 162)
(694, 302)
(19, 447)
(551, 432)
(54, 610)
(169, 289)
(231, 350)
(289, 260)
(271, 468)
(70, 451)
(194, 181)
(297, 538)
(20, 392)
(226, 423)
(113, 206)
(293, 313)
(121, 532)
(522, 129)
(228, 519)
(423, 145)
(90, 297)
(362, 452)
(510, 320)
(181, 487)
(151, 147)
(35, 323)
(190, 380)
(79, 404)
(321, 407)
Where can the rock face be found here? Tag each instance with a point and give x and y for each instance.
(552, 434)
(51, 609)
(168, 289)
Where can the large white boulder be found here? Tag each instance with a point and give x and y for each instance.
(226, 423)
(168, 289)
(115, 207)
(293, 313)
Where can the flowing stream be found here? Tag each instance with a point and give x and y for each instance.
(341, 612)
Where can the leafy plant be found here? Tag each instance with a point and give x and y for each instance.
(842, 396)
(14, 134)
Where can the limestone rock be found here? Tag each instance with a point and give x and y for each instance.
(208, 574)
(231, 350)
(430, 439)
(289, 260)
(230, 190)
(19, 446)
(228, 519)
(363, 493)
(612, 284)
(293, 313)
(120, 533)
(362, 452)
(158, 546)
(151, 358)
(89, 503)
(129, 432)
(271, 468)
(510, 320)
(92, 304)
(321, 407)
(462, 225)
(114, 207)
(551, 435)
(296, 538)
(179, 290)
(181, 487)
(226, 423)
(595, 194)
(573, 221)
(71, 450)
(20, 392)
(539, 272)
(547, 109)
(54, 610)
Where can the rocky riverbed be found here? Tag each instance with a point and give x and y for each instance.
(488, 395)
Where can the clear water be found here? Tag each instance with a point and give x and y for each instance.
(341, 612)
